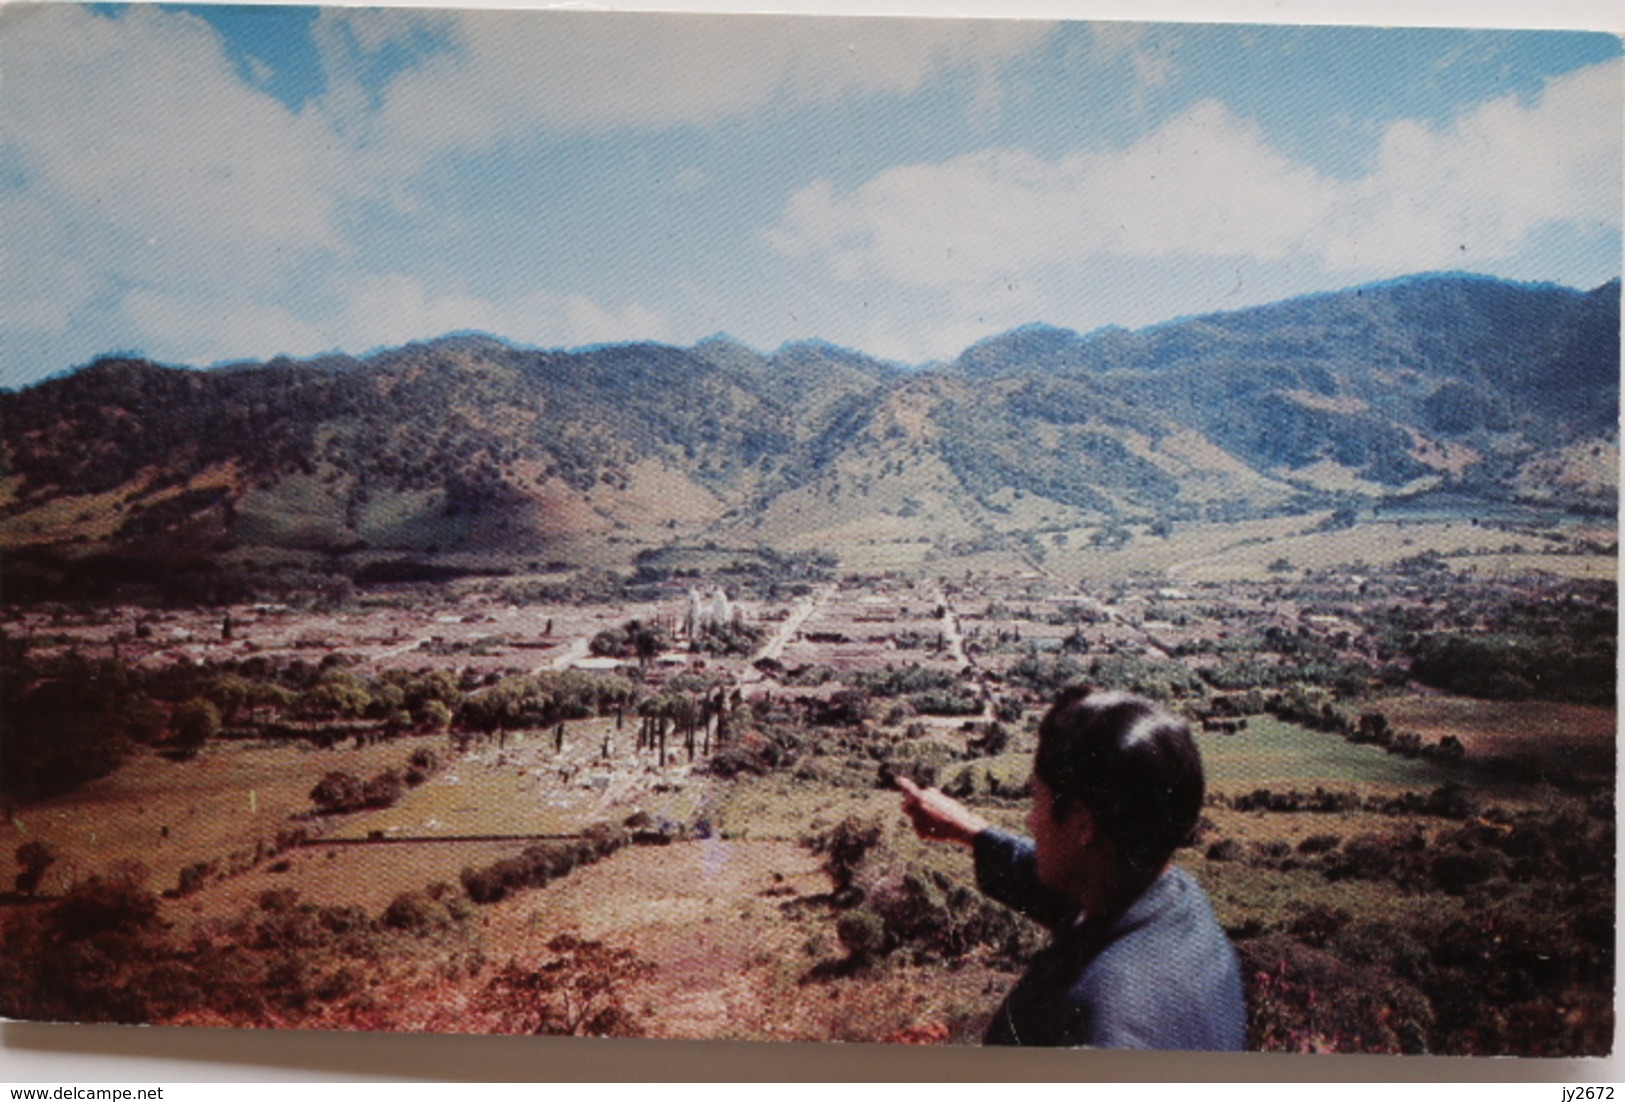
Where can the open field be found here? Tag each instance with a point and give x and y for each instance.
(365, 876)
(1246, 551)
(703, 880)
(1539, 738)
(1272, 753)
(709, 915)
(230, 801)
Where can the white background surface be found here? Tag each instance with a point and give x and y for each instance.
(46, 1055)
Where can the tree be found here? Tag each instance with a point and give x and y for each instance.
(609, 643)
(195, 723)
(335, 697)
(269, 695)
(646, 642)
(1374, 728)
(338, 792)
(383, 790)
(229, 693)
(434, 715)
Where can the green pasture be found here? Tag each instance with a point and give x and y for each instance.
(789, 809)
(1273, 753)
(1243, 893)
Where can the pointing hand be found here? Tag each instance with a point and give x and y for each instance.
(939, 817)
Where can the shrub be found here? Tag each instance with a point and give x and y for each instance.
(1382, 944)
(277, 900)
(863, 933)
(418, 912)
(193, 877)
(100, 904)
(1319, 843)
(1451, 801)
(920, 760)
(814, 771)
(946, 702)
(922, 773)
(1458, 870)
(1319, 924)
(1302, 999)
(731, 761)
(579, 992)
(294, 929)
(33, 858)
(483, 885)
(338, 792)
(937, 919)
(968, 780)
(343, 919)
(845, 846)
(384, 789)
(993, 740)
(542, 862)
(1400, 857)
(604, 839)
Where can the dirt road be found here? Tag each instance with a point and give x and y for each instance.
(784, 634)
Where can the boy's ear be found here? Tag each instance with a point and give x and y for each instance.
(1081, 823)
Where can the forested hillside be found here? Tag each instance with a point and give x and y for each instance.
(469, 446)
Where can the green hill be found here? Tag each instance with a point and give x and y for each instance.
(469, 449)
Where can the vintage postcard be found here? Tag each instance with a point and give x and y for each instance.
(577, 523)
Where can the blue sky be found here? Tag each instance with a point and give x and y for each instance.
(204, 184)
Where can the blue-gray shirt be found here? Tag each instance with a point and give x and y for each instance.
(1160, 975)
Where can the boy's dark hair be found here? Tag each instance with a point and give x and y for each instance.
(1134, 767)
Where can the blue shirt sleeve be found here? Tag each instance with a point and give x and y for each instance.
(1007, 870)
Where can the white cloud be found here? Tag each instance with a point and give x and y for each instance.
(1205, 184)
(143, 159)
(39, 282)
(1145, 47)
(370, 312)
(1208, 184)
(150, 176)
(150, 196)
(396, 308)
(583, 321)
(143, 119)
(352, 43)
(915, 343)
(198, 328)
(1477, 189)
(513, 74)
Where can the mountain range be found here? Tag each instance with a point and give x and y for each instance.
(469, 445)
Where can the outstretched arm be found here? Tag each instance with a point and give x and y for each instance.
(937, 817)
(1006, 866)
